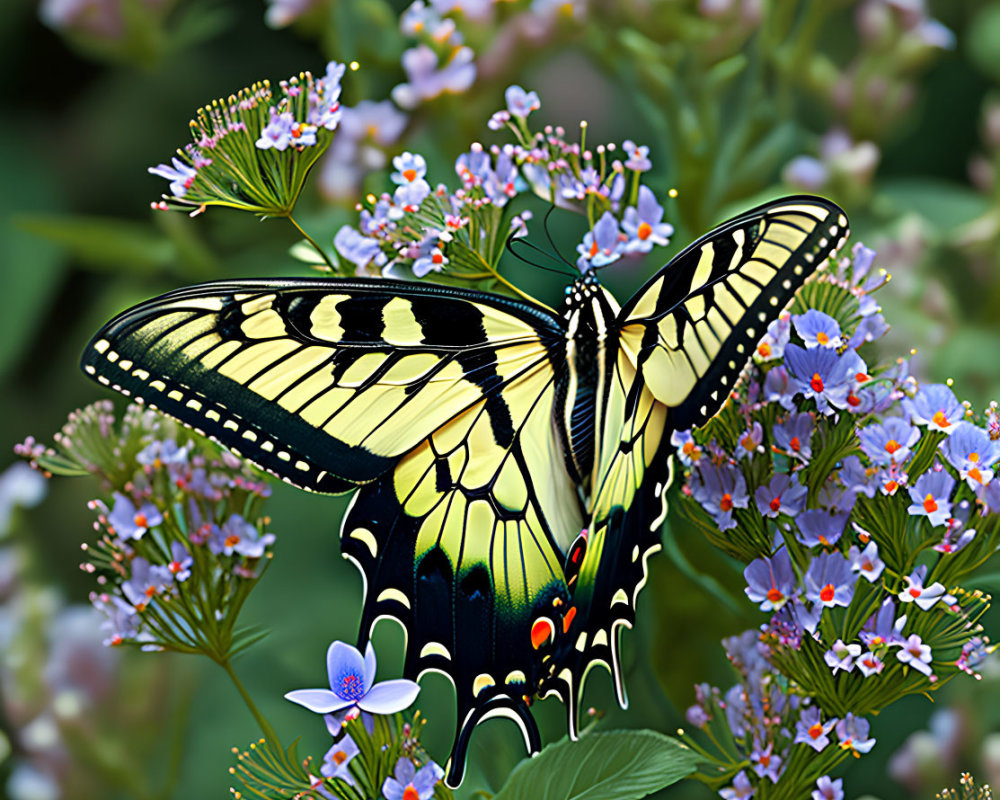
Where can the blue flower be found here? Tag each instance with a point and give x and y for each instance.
(819, 527)
(766, 763)
(720, 490)
(821, 374)
(829, 581)
(773, 344)
(890, 442)
(352, 684)
(425, 81)
(410, 784)
(741, 788)
(181, 176)
(180, 562)
(970, 450)
(434, 261)
(358, 249)
(770, 581)
(794, 435)
(239, 536)
(129, 522)
(146, 582)
(883, 629)
(780, 496)
(936, 407)
(926, 597)
(916, 654)
(827, 789)
(643, 224)
(931, 496)
(866, 562)
(750, 442)
(521, 103)
(638, 157)
(600, 246)
(841, 656)
(811, 730)
(278, 132)
(853, 734)
(410, 167)
(337, 760)
(817, 329)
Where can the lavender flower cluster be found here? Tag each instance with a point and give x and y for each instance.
(426, 229)
(860, 499)
(180, 532)
(253, 152)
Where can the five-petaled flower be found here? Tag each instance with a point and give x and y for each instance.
(352, 684)
(409, 783)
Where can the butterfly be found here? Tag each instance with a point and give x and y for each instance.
(510, 462)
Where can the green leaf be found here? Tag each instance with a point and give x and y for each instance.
(617, 765)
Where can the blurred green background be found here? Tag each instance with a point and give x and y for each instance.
(888, 107)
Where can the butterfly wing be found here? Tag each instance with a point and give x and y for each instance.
(682, 342)
(326, 384)
(437, 402)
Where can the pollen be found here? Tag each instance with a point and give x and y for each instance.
(930, 505)
(410, 174)
(974, 458)
(644, 231)
(141, 521)
(409, 793)
(795, 444)
(817, 382)
(826, 593)
(726, 503)
(822, 338)
(774, 594)
(764, 349)
(339, 757)
(940, 419)
(892, 446)
(816, 731)
(776, 503)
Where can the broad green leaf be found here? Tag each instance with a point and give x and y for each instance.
(617, 765)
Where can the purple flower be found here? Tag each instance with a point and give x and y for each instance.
(121, 621)
(890, 442)
(337, 760)
(326, 111)
(502, 182)
(685, 447)
(866, 561)
(158, 453)
(931, 496)
(936, 407)
(765, 762)
(129, 522)
(239, 536)
(806, 172)
(990, 495)
(410, 784)
(770, 581)
(380, 122)
(811, 730)
(841, 656)
(926, 597)
(827, 789)
(180, 562)
(870, 664)
(600, 246)
(774, 341)
(778, 389)
(181, 176)
(819, 527)
(794, 435)
(853, 734)
(955, 538)
(970, 450)
(821, 374)
(750, 441)
(146, 582)
(829, 580)
(638, 157)
(352, 684)
(425, 81)
(278, 132)
(409, 196)
(817, 329)
(740, 790)
(883, 629)
(358, 249)
(643, 224)
(521, 103)
(856, 478)
(434, 261)
(720, 489)
(780, 496)
(410, 167)
(916, 654)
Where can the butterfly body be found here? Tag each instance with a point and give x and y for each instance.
(511, 462)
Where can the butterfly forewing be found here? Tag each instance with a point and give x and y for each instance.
(324, 383)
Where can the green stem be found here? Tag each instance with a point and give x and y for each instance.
(265, 726)
(312, 241)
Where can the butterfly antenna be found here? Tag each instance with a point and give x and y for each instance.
(514, 239)
(552, 244)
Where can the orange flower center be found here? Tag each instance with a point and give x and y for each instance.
(974, 458)
(795, 444)
(764, 349)
(930, 506)
(826, 593)
(141, 521)
(915, 592)
(339, 757)
(822, 338)
(892, 446)
(645, 229)
(409, 793)
(862, 377)
(940, 419)
(776, 503)
(891, 487)
(410, 174)
(774, 594)
(816, 731)
(748, 443)
(853, 399)
(726, 503)
(816, 383)
(232, 540)
(975, 474)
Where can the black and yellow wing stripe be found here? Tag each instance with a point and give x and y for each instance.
(682, 342)
(325, 384)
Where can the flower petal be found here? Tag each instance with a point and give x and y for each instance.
(389, 697)
(341, 660)
(370, 665)
(392, 790)
(428, 775)
(322, 701)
